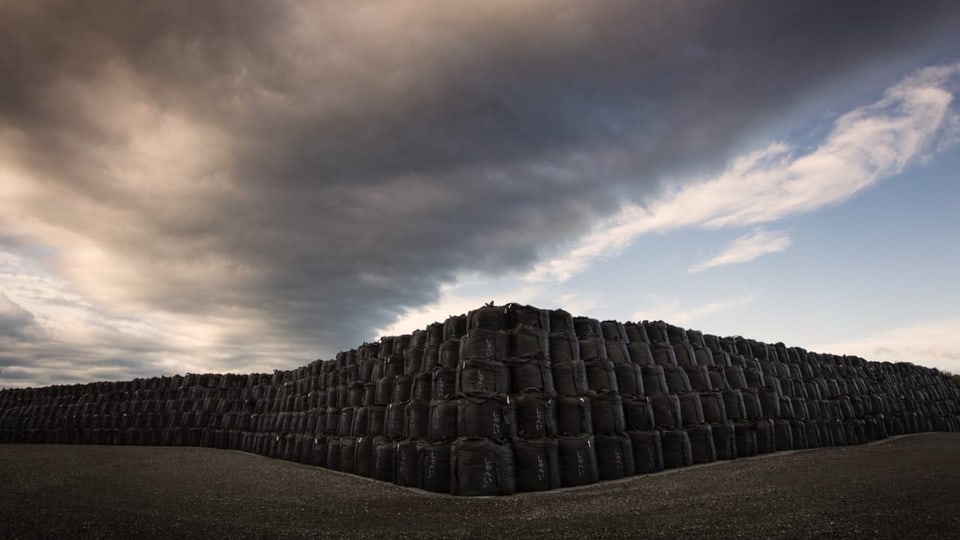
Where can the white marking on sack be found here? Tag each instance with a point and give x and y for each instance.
(432, 469)
(487, 478)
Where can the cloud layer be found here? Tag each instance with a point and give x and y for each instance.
(236, 184)
(865, 145)
(747, 248)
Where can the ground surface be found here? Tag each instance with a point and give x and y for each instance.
(907, 487)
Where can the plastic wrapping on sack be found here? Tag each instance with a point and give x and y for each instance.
(530, 374)
(783, 435)
(724, 440)
(393, 365)
(487, 417)
(799, 432)
(433, 466)
(703, 356)
(601, 376)
(812, 434)
(614, 331)
(488, 317)
(606, 412)
(647, 451)
(754, 378)
(691, 410)
(769, 403)
(528, 342)
(418, 419)
(449, 354)
(527, 316)
(318, 451)
(786, 408)
(718, 379)
(537, 464)
(536, 417)
(482, 377)
(676, 449)
(629, 379)
(561, 321)
(384, 451)
(564, 347)
(346, 420)
(482, 344)
(654, 380)
(573, 415)
(348, 454)
(402, 388)
(640, 353)
(636, 333)
(395, 421)
(376, 418)
(684, 354)
(405, 471)
(702, 448)
(413, 360)
(699, 378)
(617, 352)
(333, 453)
(614, 456)
(751, 403)
(638, 413)
(443, 420)
(585, 327)
(714, 411)
(423, 386)
(444, 384)
(663, 354)
(481, 467)
(367, 367)
(666, 411)
(657, 331)
(677, 380)
(454, 327)
(369, 394)
(360, 422)
(578, 461)
(570, 378)
(364, 457)
(385, 390)
(766, 443)
(355, 395)
(676, 334)
(592, 348)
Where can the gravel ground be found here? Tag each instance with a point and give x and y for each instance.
(907, 487)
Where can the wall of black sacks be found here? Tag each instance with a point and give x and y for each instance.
(506, 399)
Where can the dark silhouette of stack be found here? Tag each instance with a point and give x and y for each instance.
(509, 398)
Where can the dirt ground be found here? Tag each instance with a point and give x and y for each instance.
(908, 487)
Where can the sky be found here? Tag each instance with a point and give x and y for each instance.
(241, 186)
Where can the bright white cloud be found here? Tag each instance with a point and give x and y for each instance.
(747, 248)
(930, 343)
(865, 145)
(674, 313)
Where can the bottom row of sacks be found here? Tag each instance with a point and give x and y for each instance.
(479, 466)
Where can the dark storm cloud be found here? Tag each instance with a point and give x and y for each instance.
(351, 157)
